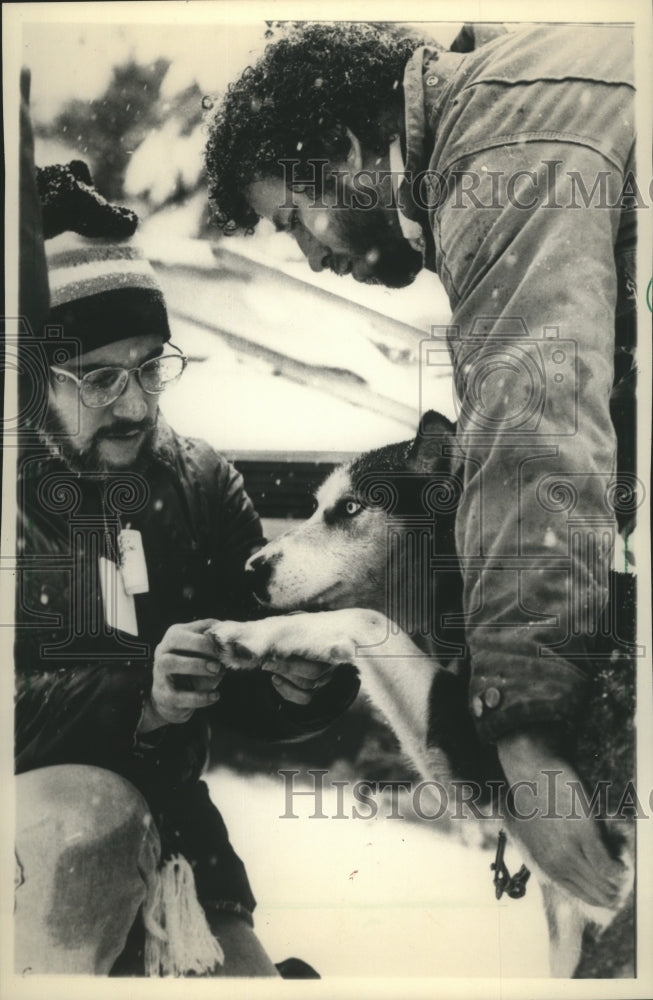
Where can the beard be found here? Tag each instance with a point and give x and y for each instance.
(375, 235)
(89, 458)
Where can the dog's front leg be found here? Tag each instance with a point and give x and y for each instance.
(566, 923)
(395, 675)
(399, 678)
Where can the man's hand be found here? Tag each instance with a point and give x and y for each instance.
(297, 679)
(186, 675)
(569, 850)
(301, 650)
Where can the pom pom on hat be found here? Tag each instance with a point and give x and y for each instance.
(70, 202)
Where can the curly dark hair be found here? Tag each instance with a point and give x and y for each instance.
(297, 102)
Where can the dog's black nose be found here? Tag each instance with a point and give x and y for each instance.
(259, 567)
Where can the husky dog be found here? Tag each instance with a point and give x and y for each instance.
(372, 579)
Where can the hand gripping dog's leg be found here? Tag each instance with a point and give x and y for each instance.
(394, 673)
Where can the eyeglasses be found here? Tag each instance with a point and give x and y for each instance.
(104, 386)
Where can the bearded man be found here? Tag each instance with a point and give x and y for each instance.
(132, 541)
(507, 170)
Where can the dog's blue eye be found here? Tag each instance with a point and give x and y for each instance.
(351, 507)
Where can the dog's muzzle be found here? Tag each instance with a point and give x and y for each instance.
(259, 568)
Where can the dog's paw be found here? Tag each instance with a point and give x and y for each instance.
(318, 637)
(239, 645)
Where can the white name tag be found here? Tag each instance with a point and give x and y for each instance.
(119, 607)
(133, 568)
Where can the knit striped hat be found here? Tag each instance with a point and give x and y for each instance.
(103, 290)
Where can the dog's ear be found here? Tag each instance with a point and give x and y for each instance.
(428, 453)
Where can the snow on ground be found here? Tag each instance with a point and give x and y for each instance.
(421, 305)
(239, 399)
(290, 318)
(236, 404)
(379, 897)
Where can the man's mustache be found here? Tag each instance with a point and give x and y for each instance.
(122, 427)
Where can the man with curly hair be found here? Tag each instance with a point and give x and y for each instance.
(301, 103)
(507, 170)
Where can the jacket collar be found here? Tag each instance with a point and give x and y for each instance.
(164, 445)
(426, 78)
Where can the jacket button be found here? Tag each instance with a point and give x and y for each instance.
(477, 706)
(492, 697)
(432, 81)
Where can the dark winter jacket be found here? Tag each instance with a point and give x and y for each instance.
(81, 685)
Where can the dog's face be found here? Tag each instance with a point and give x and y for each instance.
(335, 559)
(339, 558)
